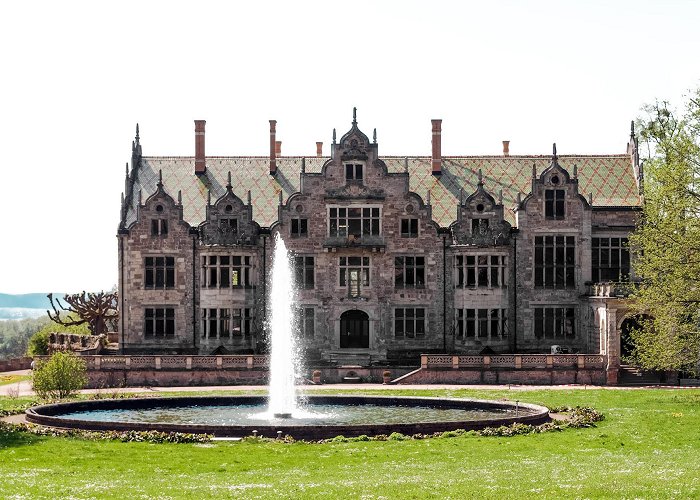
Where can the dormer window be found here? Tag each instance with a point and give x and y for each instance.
(159, 227)
(479, 225)
(353, 171)
(554, 203)
(228, 224)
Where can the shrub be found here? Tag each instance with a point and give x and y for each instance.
(59, 377)
(38, 343)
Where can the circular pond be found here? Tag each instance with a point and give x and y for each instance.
(320, 416)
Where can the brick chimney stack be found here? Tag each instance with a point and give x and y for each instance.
(200, 165)
(437, 147)
(319, 149)
(273, 148)
(506, 148)
(278, 148)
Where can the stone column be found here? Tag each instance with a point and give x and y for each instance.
(612, 346)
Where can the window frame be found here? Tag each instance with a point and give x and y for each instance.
(339, 221)
(623, 267)
(471, 272)
(159, 315)
(554, 261)
(410, 318)
(409, 231)
(152, 270)
(480, 323)
(556, 318)
(409, 273)
(302, 227)
(237, 273)
(304, 268)
(555, 208)
(354, 286)
(351, 170)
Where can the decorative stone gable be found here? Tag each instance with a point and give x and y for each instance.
(480, 220)
(229, 221)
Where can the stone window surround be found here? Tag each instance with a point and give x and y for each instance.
(479, 268)
(306, 318)
(409, 322)
(159, 227)
(406, 228)
(480, 323)
(166, 266)
(299, 227)
(351, 169)
(555, 203)
(559, 272)
(558, 317)
(365, 268)
(363, 219)
(304, 268)
(230, 323)
(244, 271)
(622, 249)
(409, 271)
(159, 318)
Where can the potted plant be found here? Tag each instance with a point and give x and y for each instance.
(386, 375)
(316, 376)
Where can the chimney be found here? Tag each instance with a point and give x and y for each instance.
(506, 148)
(437, 147)
(273, 148)
(278, 148)
(319, 149)
(200, 166)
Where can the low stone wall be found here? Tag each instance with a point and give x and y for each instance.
(9, 365)
(527, 369)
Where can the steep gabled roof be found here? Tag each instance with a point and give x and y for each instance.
(609, 178)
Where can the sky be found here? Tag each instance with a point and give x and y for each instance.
(78, 75)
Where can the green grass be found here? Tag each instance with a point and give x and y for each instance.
(647, 447)
(12, 379)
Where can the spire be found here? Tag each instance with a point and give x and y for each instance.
(554, 152)
(575, 171)
(534, 170)
(461, 196)
(160, 179)
(179, 197)
(334, 136)
(137, 133)
(374, 136)
(500, 197)
(140, 197)
(354, 116)
(481, 179)
(405, 164)
(250, 202)
(228, 183)
(303, 165)
(209, 197)
(280, 197)
(632, 129)
(127, 169)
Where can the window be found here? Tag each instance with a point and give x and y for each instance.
(159, 272)
(306, 322)
(226, 323)
(409, 272)
(554, 261)
(159, 227)
(555, 322)
(610, 259)
(482, 323)
(409, 228)
(354, 273)
(409, 322)
(554, 203)
(226, 271)
(358, 221)
(159, 322)
(353, 171)
(473, 271)
(479, 226)
(228, 225)
(304, 272)
(299, 228)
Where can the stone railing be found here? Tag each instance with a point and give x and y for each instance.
(514, 361)
(243, 362)
(611, 289)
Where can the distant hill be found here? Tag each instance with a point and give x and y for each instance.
(27, 300)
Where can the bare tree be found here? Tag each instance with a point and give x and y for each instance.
(98, 310)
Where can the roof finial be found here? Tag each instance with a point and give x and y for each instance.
(534, 170)
(519, 197)
(590, 198)
(428, 199)
(160, 178)
(127, 169)
(137, 133)
(354, 116)
(250, 202)
(500, 197)
(632, 129)
(303, 165)
(229, 185)
(209, 197)
(334, 136)
(554, 151)
(280, 197)
(122, 199)
(374, 136)
(575, 170)
(405, 164)
(140, 196)
(179, 197)
(461, 196)
(481, 179)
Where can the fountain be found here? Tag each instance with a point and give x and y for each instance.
(282, 397)
(319, 417)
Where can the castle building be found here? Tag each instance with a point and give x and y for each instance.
(393, 256)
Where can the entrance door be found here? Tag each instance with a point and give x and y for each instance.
(626, 342)
(354, 330)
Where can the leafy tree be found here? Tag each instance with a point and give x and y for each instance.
(60, 376)
(666, 243)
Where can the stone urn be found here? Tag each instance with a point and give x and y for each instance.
(316, 376)
(386, 376)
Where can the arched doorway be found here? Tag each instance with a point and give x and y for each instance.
(354, 330)
(628, 325)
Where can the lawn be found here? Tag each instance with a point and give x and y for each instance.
(12, 379)
(647, 447)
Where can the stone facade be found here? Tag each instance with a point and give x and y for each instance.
(394, 257)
